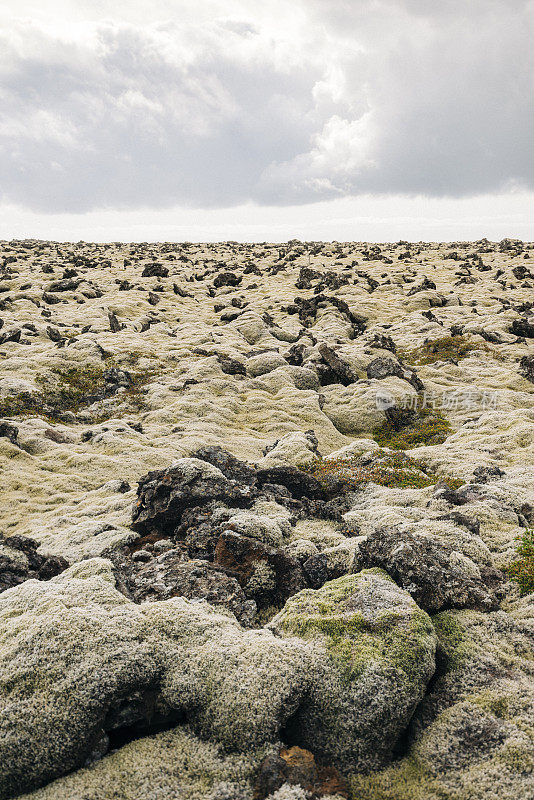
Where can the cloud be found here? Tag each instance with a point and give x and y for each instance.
(274, 103)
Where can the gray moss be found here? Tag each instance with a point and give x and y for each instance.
(76, 655)
(374, 653)
(473, 734)
(73, 646)
(175, 764)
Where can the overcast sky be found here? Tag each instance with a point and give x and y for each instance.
(266, 119)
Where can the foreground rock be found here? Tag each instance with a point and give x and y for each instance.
(165, 494)
(80, 663)
(295, 766)
(435, 575)
(376, 657)
(472, 737)
(83, 667)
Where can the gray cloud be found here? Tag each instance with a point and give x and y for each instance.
(338, 98)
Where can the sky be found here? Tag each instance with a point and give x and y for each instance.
(266, 120)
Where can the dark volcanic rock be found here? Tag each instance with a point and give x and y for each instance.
(53, 333)
(429, 572)
(522, 327)
(155, 271)
(9, 431)
(383, 342)
(443, 491)
(164, 494)
(485, 474)
(114, 324)
(307, 311)
(230, 466)
(20, 561)
(297, 767)
(526, 368)
(11, 335)
(384, 367)
(267, 574)
(231, 366)
(306, 276)
(299, 483)
(334, 369)
(65, 285)
(172, 574)
(227, 279)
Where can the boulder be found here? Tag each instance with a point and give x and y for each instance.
(472, 735)
(173, 765)
(171, 574)
(526, 368)
(333, 369)
(381, 368)
(523, 328)
(264, 363)
(155, 270)
(374, 650)
(435, 575)
(163, 495)
(230, 466)
(81, 663)
(299, 483)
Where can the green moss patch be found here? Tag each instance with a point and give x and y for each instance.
(453, 641)
(428, 428)
(446, 348)
(72, 389)
(353, 640)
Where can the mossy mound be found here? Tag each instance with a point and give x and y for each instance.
(80, 662)
(375, 655)
(472, 736)
(174, 764)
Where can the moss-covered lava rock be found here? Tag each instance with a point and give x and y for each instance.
(374, 657)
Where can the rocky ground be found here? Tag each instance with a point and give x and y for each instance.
(260, 520)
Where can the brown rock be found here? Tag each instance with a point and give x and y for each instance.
(297, 766)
